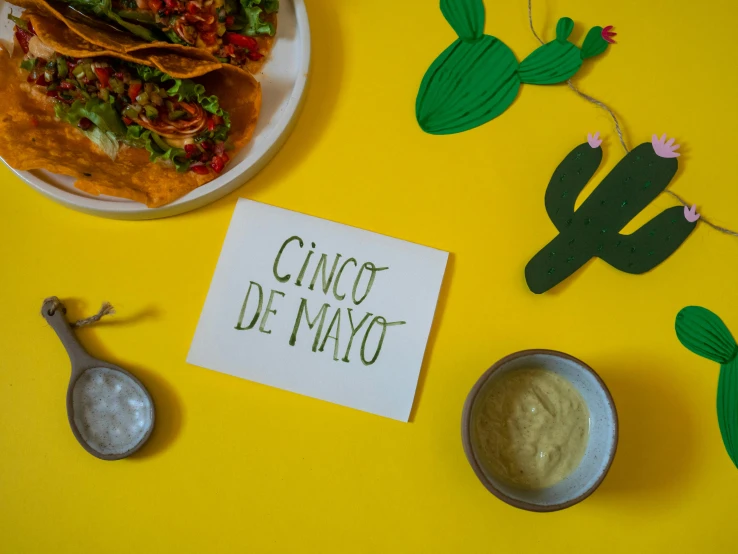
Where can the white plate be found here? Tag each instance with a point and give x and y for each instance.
(283, 83)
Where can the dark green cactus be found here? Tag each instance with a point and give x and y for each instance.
(593, 230)
(477, 78)
(704, 333)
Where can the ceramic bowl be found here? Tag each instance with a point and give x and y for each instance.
(603, 432)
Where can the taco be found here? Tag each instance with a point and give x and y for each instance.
(238, 32)
(150, 127)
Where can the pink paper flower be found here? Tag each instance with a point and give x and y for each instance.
(690, 214)
(664, 149)
(607, 34)
(594, 140)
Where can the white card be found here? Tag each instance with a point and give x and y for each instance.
(320, 309)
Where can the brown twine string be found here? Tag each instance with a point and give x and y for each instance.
(105, 309)
(619, 131)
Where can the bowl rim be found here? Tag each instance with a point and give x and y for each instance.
(474, 462)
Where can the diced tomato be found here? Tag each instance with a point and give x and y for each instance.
(229, 50)
(208, 38)
(119, 75)
(23, 37)
(66, 86)
(241, 40)
(218, 163)
(193, 8)
(40, 62)
(206, 146)
(254, 56)
(127, 120)
(200, 169)
(155, 5)
(218, 120)
(84, 124)
(133, 90)
(230, 20)
(104, 73)
(41, 81)
(191, 150)
(34, 121)
(211, 124)
(171, 3)
(52, 93)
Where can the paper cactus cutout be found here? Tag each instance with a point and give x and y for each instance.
(690, 214)
(593, 230)
(663, 148)
(704, 333)
(477, 78)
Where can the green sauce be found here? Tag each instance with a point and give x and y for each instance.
(532, 427)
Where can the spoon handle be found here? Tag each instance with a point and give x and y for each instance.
(54, 312)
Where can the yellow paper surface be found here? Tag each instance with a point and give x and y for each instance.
(234, 466)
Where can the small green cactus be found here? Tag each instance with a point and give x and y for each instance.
(477, 78)
(593, 230)
(704, 333)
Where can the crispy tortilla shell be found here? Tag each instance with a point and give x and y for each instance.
(109, 38)
(32, 138)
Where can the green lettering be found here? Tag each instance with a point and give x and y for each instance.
(304, 267)
(354, 330)
(243, 308)
(322, 264)
(336, 318)
(279, 255)
(338, 278)
(268, 311)
(374, 269)
(384, 323)
(311, 324)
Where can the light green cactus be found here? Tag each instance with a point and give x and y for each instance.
(477, 78)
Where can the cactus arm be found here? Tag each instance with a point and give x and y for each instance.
(469, 84)
(465, 16)
(570, 177)
(632, 184)
(564, 27)
(703, 332)
(650, 245)
(558, 260)
(594, 43)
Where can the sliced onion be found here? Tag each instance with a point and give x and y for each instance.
(38, 49)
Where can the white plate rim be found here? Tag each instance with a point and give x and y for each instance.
(215, 189)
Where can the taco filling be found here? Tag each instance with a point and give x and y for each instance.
(119, 104)
(225, 28)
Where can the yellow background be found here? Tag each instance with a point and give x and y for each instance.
(235, 466)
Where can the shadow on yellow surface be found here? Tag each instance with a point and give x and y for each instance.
(437, 318)
(168, 406)
(656, 454)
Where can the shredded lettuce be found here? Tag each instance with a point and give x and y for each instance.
(106, 128)
(107, 142)
(102, 115)
(104, 8)
(157, 148)
(253, 9)
(187, 91)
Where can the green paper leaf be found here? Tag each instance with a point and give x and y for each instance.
(594, 44)
(469, 84)
(704, 333)
(564, 28)
(465, 16)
